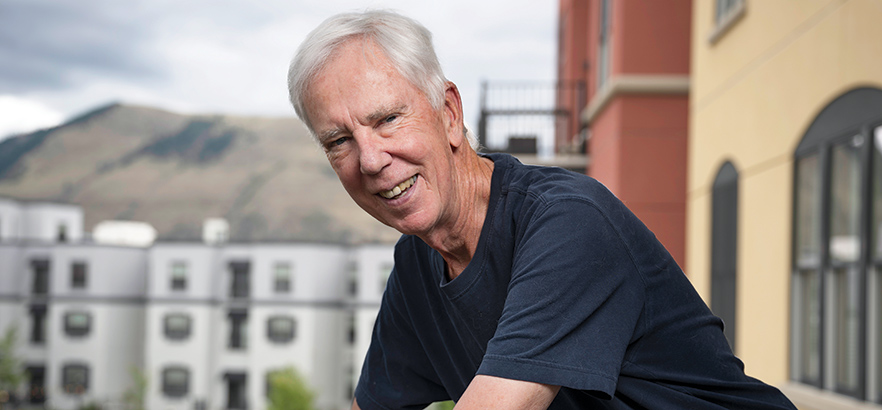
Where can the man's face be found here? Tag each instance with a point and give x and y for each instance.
(391, 150)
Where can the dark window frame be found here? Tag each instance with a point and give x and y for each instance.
(174, 334)
(72, 387)
(724, 249)
(38, 324)
(281, 338)
(173, 390)
(78, 332)
(178, 274)
(238, 320)
(850, 119)
(282, 283)
(79, 275)
(41, 275)
(240, 279)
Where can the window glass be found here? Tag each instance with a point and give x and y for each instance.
(845, 201)
(808, 312)
(808, 211)
(280, 329)
(179, 275)
(177, 326)
(876, 229)
(282, 277)
(78, 275)
(847, 325)
(77, 323)
(175, 381)
(75, 379)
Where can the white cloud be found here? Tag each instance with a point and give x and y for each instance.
(24, 115)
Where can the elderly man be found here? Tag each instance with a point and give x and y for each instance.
(515, 287)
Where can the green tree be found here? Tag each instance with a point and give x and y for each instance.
(134, 395)
(288, 391)
(12, 372)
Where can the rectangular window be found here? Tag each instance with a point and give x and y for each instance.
(40, 270)
(807, 276)
(62, 233)
(77, 324)
(280, 329)
(38, 324)
(179, 275)
(177, 326)
(604, 45)
(75, 379)
(282, 277)
(240, 283)
(238, 320)
(844, 249)
(36, 385)
(236, 392)
(78, 272)
(175, 381)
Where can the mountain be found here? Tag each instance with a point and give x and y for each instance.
(264, 175)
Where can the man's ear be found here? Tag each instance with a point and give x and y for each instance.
(452, 115)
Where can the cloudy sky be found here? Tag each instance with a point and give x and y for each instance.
(61, 58)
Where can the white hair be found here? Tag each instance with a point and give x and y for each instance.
(405, 42)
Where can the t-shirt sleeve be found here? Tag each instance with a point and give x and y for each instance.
(396, 373)
(573, 302)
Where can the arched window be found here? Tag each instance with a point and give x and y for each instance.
(724, 247)
(837, 248)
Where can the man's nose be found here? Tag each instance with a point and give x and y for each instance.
(373, 153)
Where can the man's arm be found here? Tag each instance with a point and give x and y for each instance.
(489, 392)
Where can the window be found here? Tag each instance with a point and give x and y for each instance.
(724, 239)
(239, 285)
(75, 379)
(62, 233)
(175, 381)
(280, 329)
(40, 269)
(236, 392)
(36, 384)
(38, 324)
(238, 320)
(604, 45)
(179, 275)
(726, 14)
(836, 255)
(282, 277)
(77, 324)
(78, 273)
(177, 326)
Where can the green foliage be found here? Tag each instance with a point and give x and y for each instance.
(92, 405)
(134, 395)
(445, 405)
(12, 372)
(288, 391)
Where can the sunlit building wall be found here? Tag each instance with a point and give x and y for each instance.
(785, 190)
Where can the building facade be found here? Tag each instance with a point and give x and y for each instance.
(206, 324)
(785, 191)
(634, 59)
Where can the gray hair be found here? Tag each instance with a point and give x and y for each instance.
(405, 42)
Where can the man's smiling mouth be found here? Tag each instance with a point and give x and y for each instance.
(399, 189)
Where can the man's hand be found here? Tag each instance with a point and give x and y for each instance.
(489, 392)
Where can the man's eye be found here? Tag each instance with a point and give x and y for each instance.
(390, 118)
(337, 142)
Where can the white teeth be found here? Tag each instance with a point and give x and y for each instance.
(398, 189)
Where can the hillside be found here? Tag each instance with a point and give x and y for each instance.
(265, 175)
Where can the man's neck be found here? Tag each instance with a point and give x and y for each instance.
(458, 242)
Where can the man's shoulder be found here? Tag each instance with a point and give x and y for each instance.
(550, 184)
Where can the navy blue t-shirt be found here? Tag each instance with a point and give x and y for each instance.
(567, 287)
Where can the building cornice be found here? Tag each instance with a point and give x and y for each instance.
(630, 84)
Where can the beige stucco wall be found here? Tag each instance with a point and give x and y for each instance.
(754, 94)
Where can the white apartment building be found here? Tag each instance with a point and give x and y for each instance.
(206, 323)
